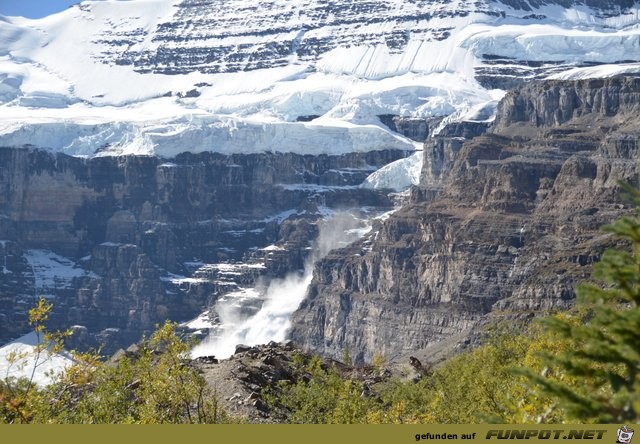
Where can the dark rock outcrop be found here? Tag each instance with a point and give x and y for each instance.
(411, 127)
(593, 102)
(16, 283)
(514, 227)
(442, 149)
(123, 243)
(608, 6)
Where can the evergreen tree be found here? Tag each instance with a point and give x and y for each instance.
(604, 356)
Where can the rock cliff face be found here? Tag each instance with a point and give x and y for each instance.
(122, 243)
(504, 226)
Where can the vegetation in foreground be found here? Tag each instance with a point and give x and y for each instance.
(155, 385)
(582, 366)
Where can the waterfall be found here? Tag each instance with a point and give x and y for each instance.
(281, 297)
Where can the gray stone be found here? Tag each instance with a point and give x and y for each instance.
(512, 229)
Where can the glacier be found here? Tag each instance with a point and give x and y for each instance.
(92, 80)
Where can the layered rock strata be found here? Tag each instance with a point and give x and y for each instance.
(513, 224)
(120, 244)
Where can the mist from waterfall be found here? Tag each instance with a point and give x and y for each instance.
(281, 296)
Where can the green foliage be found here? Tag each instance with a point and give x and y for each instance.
(13, 401)
(603, 353)
(158, 385)
(476, 386)
(346, 356)
(17, 396)
(378, 361)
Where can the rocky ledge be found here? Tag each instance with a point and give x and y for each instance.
(240, 381)
(504, 225)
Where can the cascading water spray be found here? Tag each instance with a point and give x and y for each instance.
(281, 298)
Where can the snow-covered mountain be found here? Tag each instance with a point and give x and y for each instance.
(310, 76)
(121, 244)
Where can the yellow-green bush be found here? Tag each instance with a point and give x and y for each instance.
(158, 385)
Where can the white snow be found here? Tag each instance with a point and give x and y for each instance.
(20, 359)
(600, 71)
(272, 248)
(233, 268)
(281, 217)
(201, 322)
(58, 89)
(398, 175)
(179, 280)
(52, 271)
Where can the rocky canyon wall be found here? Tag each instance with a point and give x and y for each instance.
(120, 244)
(503, 227)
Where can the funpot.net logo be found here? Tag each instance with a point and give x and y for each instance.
(624, 435)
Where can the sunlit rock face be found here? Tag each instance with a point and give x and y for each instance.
(513, 228)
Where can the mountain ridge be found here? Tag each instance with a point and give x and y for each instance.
(506, 231)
